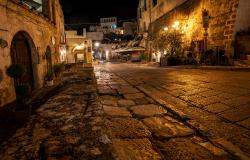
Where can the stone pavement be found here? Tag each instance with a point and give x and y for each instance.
(215, 104)
(140, 128)
(67, 126)
(117, 122)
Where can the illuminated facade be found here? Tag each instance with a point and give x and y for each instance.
(206, 24)
(31, 34)
(79, 48)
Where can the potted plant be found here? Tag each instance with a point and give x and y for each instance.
(49, 79)
(17, 71)
(58, 69)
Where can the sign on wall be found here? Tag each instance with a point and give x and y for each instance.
(3, 43)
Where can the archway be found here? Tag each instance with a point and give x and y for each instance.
(22, 52)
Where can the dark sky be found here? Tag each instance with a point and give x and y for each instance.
(91, 10)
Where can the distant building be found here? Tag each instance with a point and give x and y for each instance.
(79, 48)
(129, 28)
(31, 34)
(95, 36)
(108, 23)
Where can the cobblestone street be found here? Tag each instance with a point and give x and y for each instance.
(123, 112)
(215, 103)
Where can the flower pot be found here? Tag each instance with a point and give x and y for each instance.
(50, 83)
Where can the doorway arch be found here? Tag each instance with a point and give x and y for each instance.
(23, 51)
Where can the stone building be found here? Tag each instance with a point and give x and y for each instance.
(208, 24)
(79, 48)
(29, 31)
(129, 28)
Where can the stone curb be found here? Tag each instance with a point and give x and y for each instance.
(220, 68)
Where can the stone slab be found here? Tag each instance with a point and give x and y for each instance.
(148, 110)
(245, 123)
(231, 148)
(116, 111)
(135, 149)
(126, 103)
(167, 128)
(127, 90)
(127, 128)
(183, 149)
(109, 102)
(217, 108)
(134, 96)
(237, 114)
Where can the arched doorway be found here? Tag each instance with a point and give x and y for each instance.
(21, 51)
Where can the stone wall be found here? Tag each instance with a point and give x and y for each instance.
(227, 17)
(44, 32)
(153, 12)
(221, 23)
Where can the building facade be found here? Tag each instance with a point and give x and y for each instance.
(79, 48)
(29, 30)
(129, 28)
(207, 24)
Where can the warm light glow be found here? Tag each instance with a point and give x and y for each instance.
(63, 53)
(79, 47)
(176, 24)
(97, 44)
(166, 29)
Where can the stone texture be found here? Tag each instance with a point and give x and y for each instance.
(217, 108)
(126, 103)
(136, 149)
(184, 149)
(245, 123)
(134, 96)
(221, 154)
(237, 114)
(167, 128)
(148, 110)
(127, 90)
(231, 148)
(109, 102)
(201, 84)
(116, 111)
(38, 32)
(127, 128)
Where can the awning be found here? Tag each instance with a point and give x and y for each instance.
(129, 49)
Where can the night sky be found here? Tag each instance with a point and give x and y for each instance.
(90, 11)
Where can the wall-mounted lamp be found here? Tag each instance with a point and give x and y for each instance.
(3, 43)
(165, 28)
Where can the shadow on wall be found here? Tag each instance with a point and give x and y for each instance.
(1, 75)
